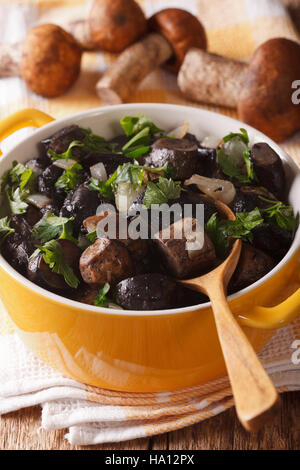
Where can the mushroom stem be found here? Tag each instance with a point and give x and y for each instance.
(131, 67)
(10, 58)
(210, 78)
(80, 30)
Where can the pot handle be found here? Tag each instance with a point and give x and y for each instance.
(273, 317)
(24, 118)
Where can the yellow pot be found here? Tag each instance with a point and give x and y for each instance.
(143, 351)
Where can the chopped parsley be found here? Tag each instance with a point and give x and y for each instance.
(53, 256)
(280, 214)
(240, 168)
(102, 300)
(71, 177)
(17, 200)
(5, 229)
(129, 173)
(220, 230)
(132, 125)
(161, 192)
(54, 227)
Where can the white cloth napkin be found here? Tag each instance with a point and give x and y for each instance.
(95, 416)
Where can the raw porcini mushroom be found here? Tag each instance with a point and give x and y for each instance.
(176, 31)
(262, 91)
(48, 60)
(112, 25)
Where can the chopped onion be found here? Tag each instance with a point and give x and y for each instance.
(34, 167)
(64, 163)
(125, 196)
(39, 200)
(98, 171)
(211, 142)
(180, 131)
(112, 305)
(195, 243)
(220, 190)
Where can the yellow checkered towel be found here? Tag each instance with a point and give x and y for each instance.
(235, 28)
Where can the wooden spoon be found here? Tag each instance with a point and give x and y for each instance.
(254, 394)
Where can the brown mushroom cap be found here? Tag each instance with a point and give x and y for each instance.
(50, 61)
(265, 101)
(115, 24)
(183, 31)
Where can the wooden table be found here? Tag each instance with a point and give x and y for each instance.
(19, 431)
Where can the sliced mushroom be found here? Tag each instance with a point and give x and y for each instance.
(105, 261)
(183, 252)
(137, 248)
(182, 153)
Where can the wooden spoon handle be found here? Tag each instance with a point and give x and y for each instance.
(254, 394)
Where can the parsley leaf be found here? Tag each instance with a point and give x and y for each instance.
(53, 227)
(68, 153)
(220, 230)
(230, 168)
(161, 192)
(281, 214)
(53, 256)
(234, 157)
(70, 178)
(243, 135)
(20, 176)
(132, 125)
(102, 300)
(16, 200)
(96, 143)
(5, 229)
(92, 236)
(217, 236)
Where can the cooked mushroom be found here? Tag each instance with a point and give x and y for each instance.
(105, 261)
(261, 91)
(249, 197)
(48, 60)
(110, 26)
(40, 273)
(253, 265)
(60, 141)
(138, 248)
(176, 31)
(150, 291)
(272, 239)
(182, 153)
(111, 161)
(80, 204)
(269, 169)
(20, 245)
(183, 252)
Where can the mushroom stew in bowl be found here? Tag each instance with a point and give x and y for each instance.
(71, 215)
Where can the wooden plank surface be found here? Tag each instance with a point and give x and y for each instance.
(19, 430)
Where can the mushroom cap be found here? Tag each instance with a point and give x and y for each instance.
(183, 31)
(50, 61)
(265, 100)
(115, 24)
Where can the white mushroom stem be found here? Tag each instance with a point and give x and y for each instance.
(210, 78)
(132, 66)
(80, 30)
(10, 58)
